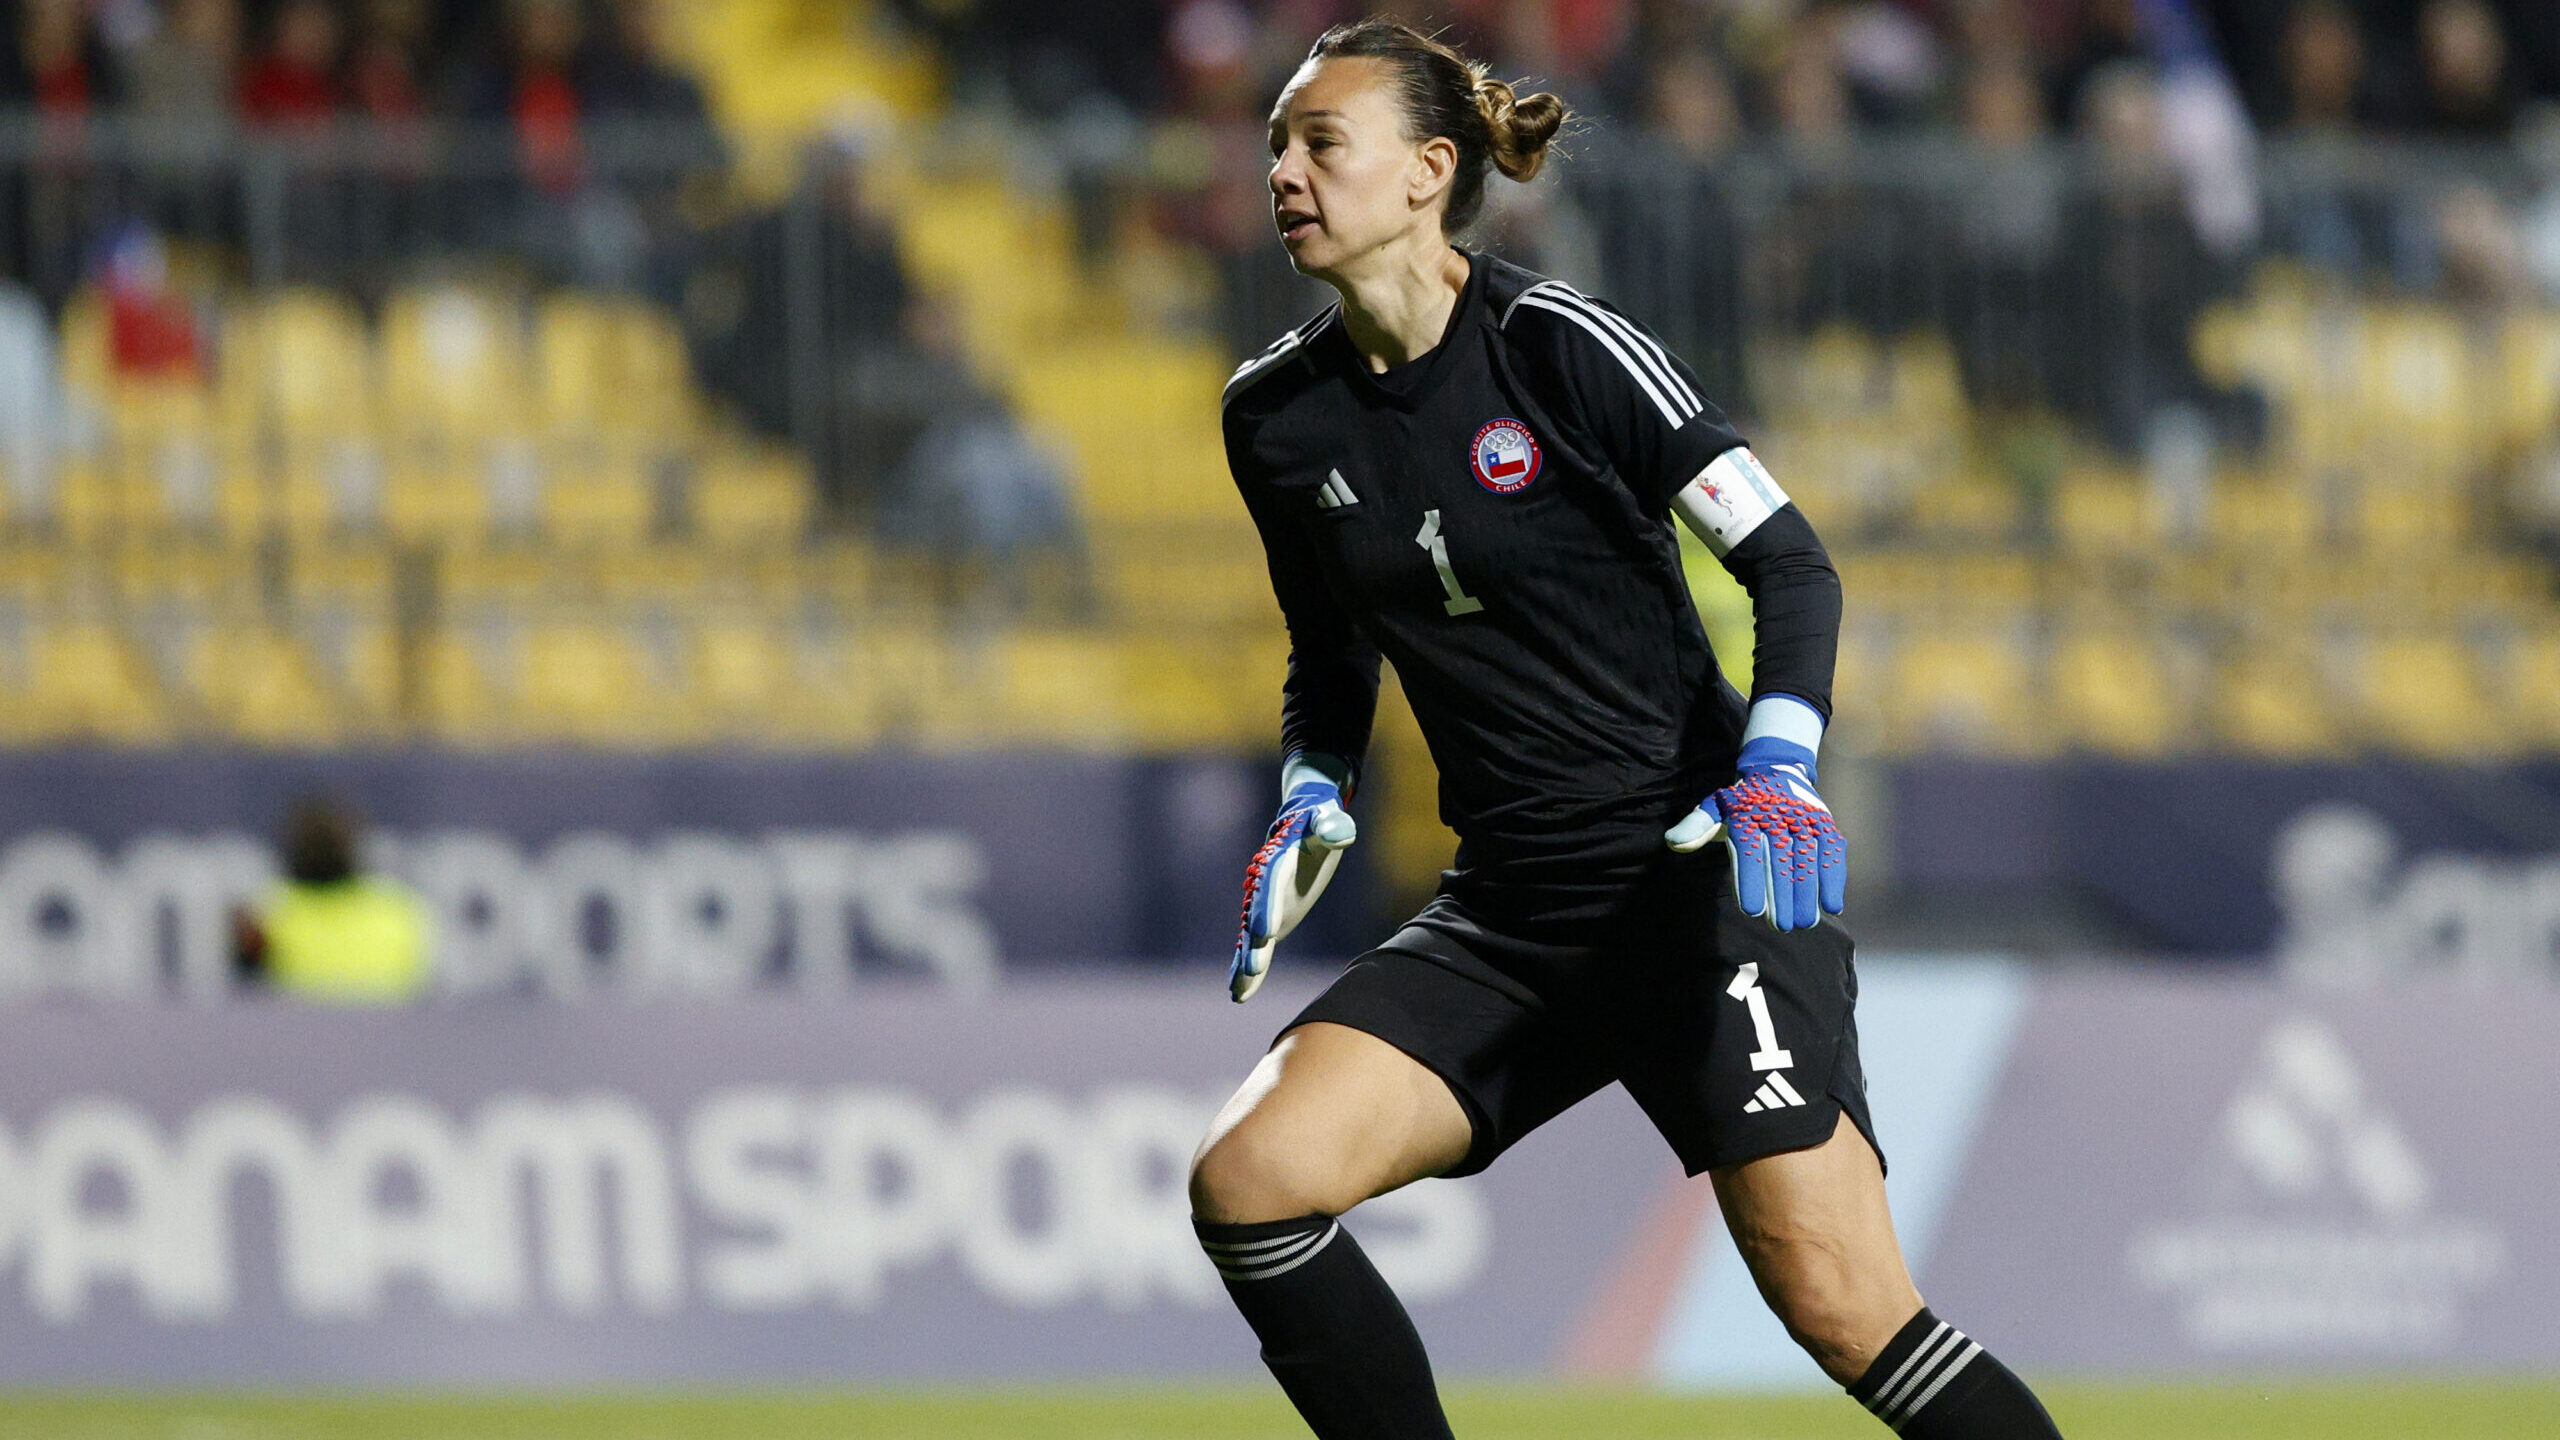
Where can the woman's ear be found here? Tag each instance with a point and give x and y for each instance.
(1435, 164)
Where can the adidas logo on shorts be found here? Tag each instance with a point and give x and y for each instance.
(1775, 1094)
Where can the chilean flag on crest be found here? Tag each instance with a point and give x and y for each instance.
(1505, 456)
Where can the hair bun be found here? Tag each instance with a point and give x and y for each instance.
(1517, 127)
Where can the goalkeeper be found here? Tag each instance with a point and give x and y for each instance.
(1474, 471)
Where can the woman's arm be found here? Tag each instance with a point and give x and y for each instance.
(1766, 543)
(1330, 699)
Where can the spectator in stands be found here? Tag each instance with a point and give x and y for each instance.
(293, 84)
(151, 323)
(1673, 250)
(184, 75)
(1810, 96)
(2007, 222)
(2462, 55)
(531, 87)
(2538, 141)
(2108, 33)
(2325, 97)
(55, 64)
(625, 75)
(2324, 69)
(972, 486)
(625, 80)
(387, 75)
(1893, 65)
(2482, 252)
(2132, 275)
(331, 932)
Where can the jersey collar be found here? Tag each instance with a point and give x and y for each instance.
(1407, 385)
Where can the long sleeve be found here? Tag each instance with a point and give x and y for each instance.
(1330, 699)
(1795, 607)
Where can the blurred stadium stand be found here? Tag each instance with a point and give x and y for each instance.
(852, 399)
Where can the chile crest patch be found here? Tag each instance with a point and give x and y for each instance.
(1505, 456)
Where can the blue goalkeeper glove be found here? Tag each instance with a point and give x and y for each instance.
(1789, 865)
(1293, 866)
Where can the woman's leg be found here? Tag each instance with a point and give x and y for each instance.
(1329, 1118)
(1815, 1230)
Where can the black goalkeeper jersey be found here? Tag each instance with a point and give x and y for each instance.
(1493, 517)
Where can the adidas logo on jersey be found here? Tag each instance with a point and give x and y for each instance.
(1335, 492)
(1775, 1094)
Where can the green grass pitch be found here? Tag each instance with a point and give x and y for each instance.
(2375, 1410)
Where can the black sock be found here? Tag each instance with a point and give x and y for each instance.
(1332, 1332)
(1934, 1382)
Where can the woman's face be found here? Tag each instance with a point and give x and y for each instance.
(1344, 179)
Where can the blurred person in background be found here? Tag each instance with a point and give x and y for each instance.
(2007, 221)
(153, 331)
(182, 83)
(1675, 250)
(2132, 276)
(625, 75)
(1591, 931)
(54, 64)
(2467, 88)
(388, 74)
(2323, 69)
(2327, 80)
(293, 82)
(330, 932)
(186, 73)
(744, 304)
(530, 85)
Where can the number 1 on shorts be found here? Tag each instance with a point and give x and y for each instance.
(1746, 988)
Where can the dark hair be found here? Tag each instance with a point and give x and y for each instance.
(320, 841)
(1443, 93)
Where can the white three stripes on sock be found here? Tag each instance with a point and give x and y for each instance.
(1264, 1259)
(1919, 1379)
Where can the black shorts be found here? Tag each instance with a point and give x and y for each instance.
(1738, 1041)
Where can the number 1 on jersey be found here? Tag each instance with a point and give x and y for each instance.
(1459, 601)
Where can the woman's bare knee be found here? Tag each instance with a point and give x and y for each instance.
(1329, 1118)
(1245, 1178)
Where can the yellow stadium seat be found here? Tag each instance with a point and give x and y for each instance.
(459, 696)
(85, 682)
(594, 497)
(2113, 692)
(1056, 688)
(1201, 692)
(302, 362)
(589, 681)
(1965, 690)
(2276, 705)
(260, 685)
(453, 364)
(2106, 515)
(2262, 520)
(610, 364)
(1966, 510)
(741, 669)
(2398, 520)
(2533, 688)
(437, 494)
(759, 496)
(346, 612)
(2422, 693)
(833, 693)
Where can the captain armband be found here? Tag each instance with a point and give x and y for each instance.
(1729, 500)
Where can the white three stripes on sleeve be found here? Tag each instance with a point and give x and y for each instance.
(1911, 1387)
(1264, 1259)
(1643, 358)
